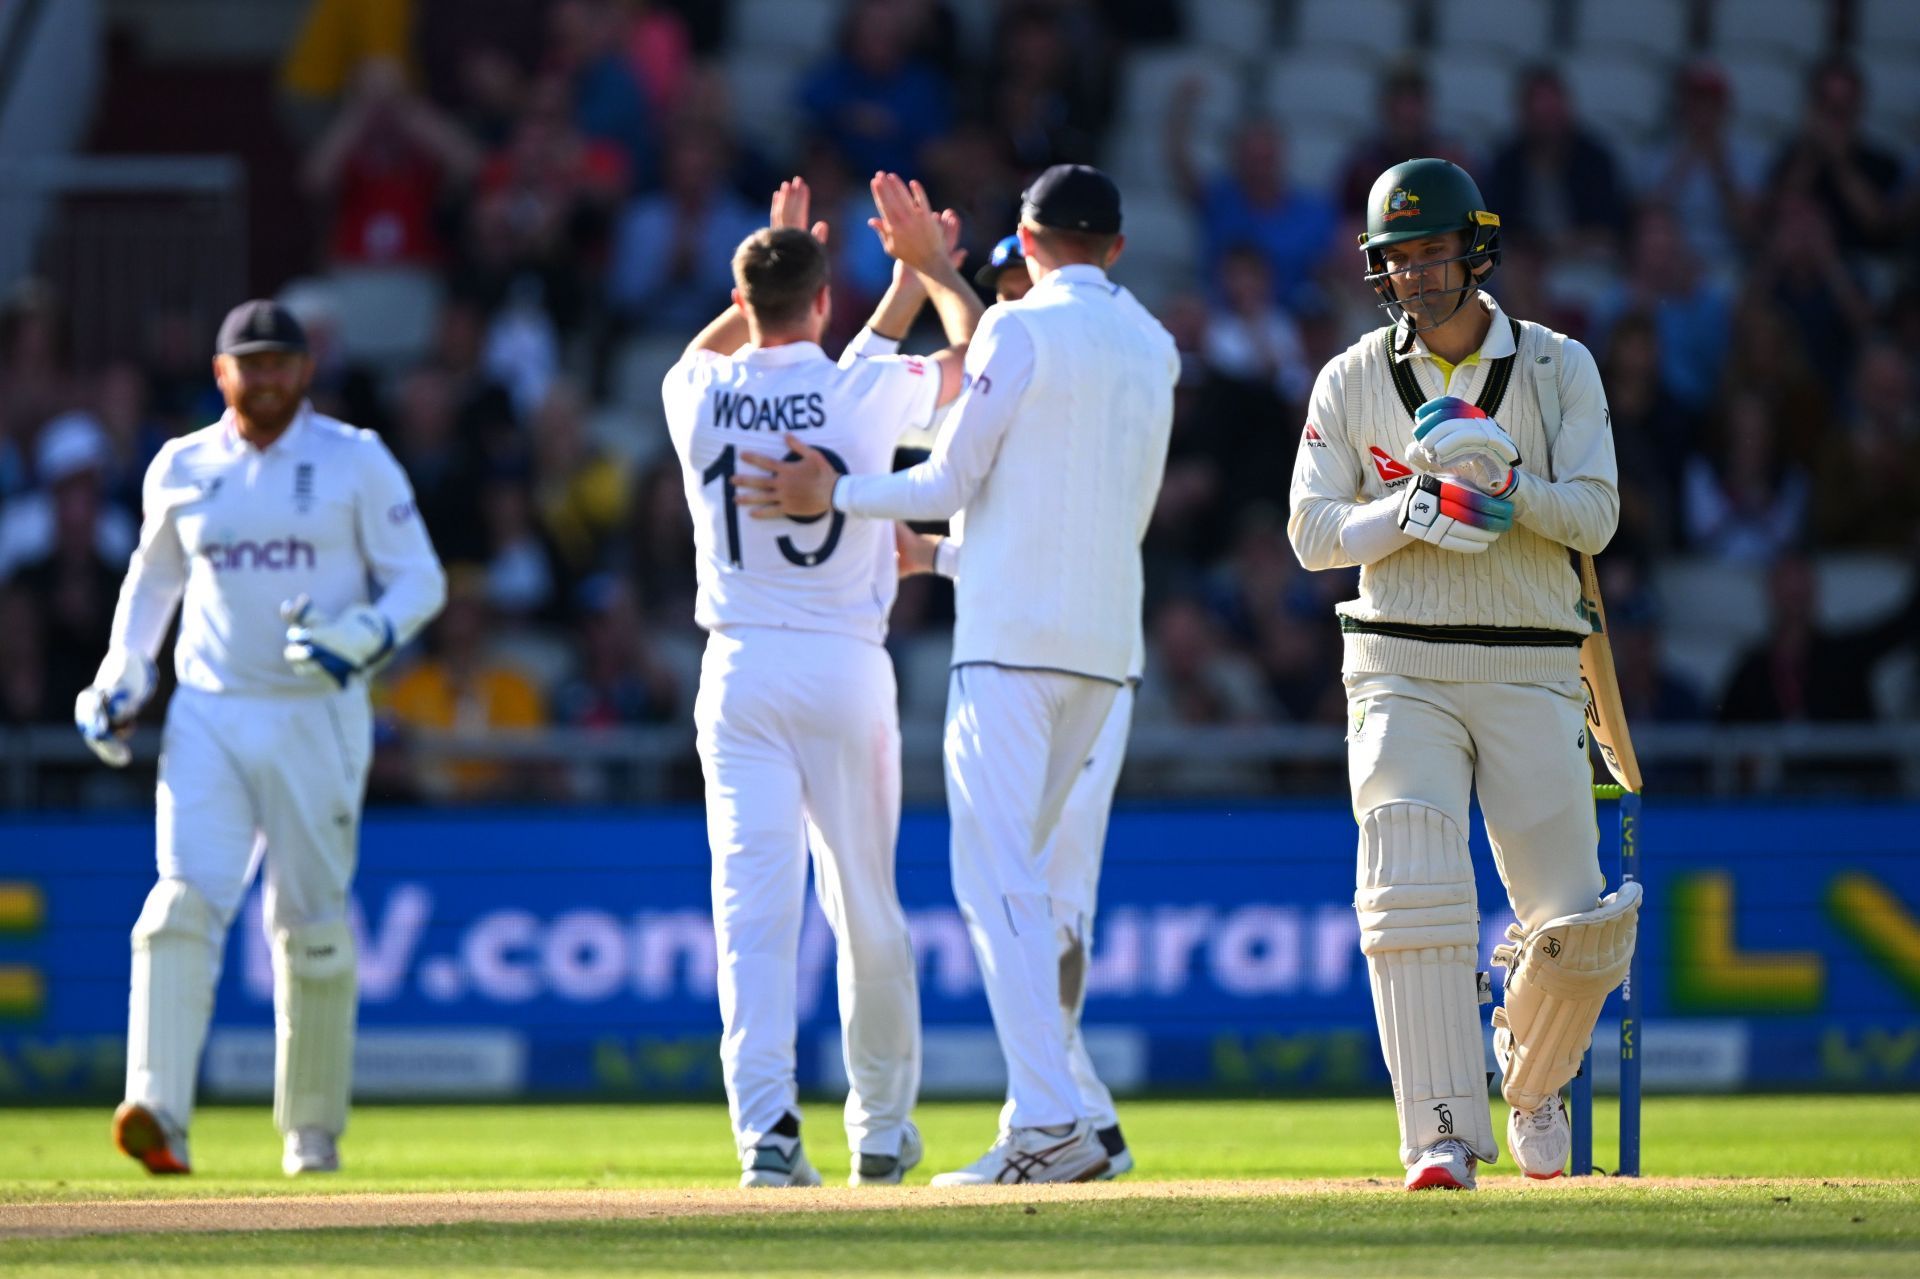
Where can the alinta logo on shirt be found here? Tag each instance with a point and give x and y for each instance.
(1393, 472)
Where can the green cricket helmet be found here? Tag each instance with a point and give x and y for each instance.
(1418, 198)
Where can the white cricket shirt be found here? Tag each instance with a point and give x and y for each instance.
(831, 573)
(230, 531)
(1053, 456)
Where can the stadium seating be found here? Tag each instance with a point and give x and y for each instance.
(1315, 155)
(1657, 28)
(1893, 95)
(1711, 611)
(1888, 27)
(1792, 30)
(1162, 253)
(1309, 90)
(1521, 30)
(1241, 29)
(762, 88)
(1152, 78)
(1379, 29)
(798, 30)
(1621, 95)
(1475, 98)
(1767, 93)
(386, 314)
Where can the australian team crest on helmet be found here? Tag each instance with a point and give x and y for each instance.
(1402, 204)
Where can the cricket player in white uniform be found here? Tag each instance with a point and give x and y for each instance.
(1079, 841)
(1457, 457)
(291, 545)
(1053, 458)
(797, 717)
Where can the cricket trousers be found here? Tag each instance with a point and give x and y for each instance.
(268, 784)
(1016, 742)
(799, 741)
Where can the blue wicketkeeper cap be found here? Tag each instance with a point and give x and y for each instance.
(1005, 254)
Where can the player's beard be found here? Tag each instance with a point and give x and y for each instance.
(269, 412)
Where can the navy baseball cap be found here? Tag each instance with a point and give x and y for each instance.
(1006, 255)
(260, 325)
(1073, 197)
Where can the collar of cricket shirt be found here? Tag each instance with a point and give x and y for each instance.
(288, 441)
(785, 353)
(1498, 343)
(1074, 273)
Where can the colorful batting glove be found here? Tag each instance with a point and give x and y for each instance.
(1454, 438)
(1453, 516)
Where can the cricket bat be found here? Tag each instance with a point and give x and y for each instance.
(1606, 716)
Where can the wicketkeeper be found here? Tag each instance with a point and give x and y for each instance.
(291, 545)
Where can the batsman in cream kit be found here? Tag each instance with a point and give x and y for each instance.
(291, 546)
(1460, 458)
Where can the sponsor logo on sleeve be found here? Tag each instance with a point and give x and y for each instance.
(1312, 437)
(1393, 472)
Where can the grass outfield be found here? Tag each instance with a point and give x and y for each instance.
(1301, 1188)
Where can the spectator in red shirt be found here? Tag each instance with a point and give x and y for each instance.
(388, 162)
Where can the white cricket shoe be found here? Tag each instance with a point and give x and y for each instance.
(1540, 1139)
(146, 1133)
(779, 1160)
(309, 1150)
(1445, 1165)
(1022, 1155)
(1119, 1158)
(888, 1170)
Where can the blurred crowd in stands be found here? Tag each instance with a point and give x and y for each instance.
(552, 191)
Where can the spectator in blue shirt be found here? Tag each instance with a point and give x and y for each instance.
(673, 254)
(1253, 203)
(876, 104)
(1691, 315)
(609, 105)
(1555, 180)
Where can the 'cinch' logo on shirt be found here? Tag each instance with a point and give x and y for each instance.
(274, 556)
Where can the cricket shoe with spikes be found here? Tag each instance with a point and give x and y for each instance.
(888, 1170)
(1540, 1139)
(778, 1160)
(1445, 1165)
(1023, 1155)
(143, 1132)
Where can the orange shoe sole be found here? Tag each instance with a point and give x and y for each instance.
(138, 1135)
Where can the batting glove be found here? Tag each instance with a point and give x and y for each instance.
(1453, 516)
(338, 649)
(1454, 438)
(104, 712)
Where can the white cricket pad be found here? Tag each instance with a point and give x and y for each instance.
(315, 997)
(176, 962)
(1420, 932)
(1558, 978)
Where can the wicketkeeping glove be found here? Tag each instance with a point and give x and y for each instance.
(1453, 516)
(337, 649)
(104, 712)
(1453, 437)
